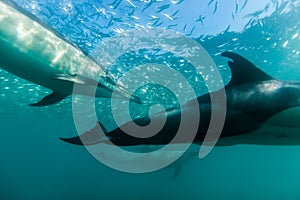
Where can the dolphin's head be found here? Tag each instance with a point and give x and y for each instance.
(287, 94)
(281, 129)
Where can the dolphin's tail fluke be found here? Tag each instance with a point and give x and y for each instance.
(94, 136)
(73, 140)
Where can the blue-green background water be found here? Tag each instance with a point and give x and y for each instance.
(35, 164)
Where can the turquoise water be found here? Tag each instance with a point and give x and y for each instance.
(35, 164)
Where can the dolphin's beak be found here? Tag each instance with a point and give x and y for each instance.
(110, 84)
(123, 92)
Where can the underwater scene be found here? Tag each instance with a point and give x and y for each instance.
(150, 99)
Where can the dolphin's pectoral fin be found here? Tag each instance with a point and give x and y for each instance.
(74, 78)
(177, 170)
(225, 143)
(83, 80)
(50, 99)
(243, 71)
(94, 136)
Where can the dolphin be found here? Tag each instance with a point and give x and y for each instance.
(35, 52)
(260, 110)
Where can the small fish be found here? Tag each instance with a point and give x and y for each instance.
(184, 28)
(211, 1)
(157, 25)
(171, 26)
(244, 5)
(227, 29)
(236, 7)
(156, 22)
(161, 8)
(134, 17)
(200, 19)
(148, 5)
(254, 14)
(131, 13)
(152, 17)
(167, 16)
(216, 7)
(175, 13)
(115, 4)
(192, 30)
(267, 7)
(177, 2)
(222, 45)
(248, 25)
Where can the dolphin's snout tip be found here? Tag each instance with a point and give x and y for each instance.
(136, 99)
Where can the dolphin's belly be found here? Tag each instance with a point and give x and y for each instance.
(281, 129)
(31, 67)
(32, 52)
(267, 135)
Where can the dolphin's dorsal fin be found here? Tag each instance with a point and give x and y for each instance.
(243, 71)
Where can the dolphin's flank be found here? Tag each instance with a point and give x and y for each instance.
(260, 110)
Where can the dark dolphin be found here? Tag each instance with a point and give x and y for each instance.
(253, 97)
